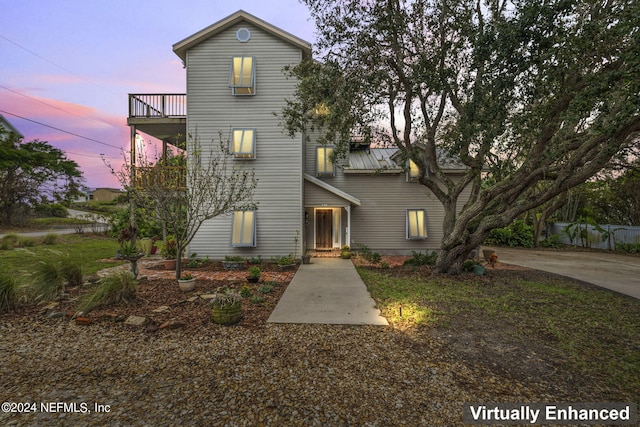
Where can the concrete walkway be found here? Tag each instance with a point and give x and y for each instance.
(327, 291)
(619, 273)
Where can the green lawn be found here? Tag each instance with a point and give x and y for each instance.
(84, 249)
(591, 333)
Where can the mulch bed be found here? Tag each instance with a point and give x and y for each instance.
(164, 305)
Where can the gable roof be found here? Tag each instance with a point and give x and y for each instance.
(181, 47)
(346, 196)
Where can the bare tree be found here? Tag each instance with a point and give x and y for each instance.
(185, 197)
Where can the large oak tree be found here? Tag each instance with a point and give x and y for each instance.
(533, 96)
(32, 173)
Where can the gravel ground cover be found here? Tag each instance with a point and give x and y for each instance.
(253, 374)
(280, 375)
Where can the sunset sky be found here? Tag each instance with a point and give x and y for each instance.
(71, 65)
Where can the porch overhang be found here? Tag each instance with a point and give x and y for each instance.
(346, 196)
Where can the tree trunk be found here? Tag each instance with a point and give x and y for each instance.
(179, 252)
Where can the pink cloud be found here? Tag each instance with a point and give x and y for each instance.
(83, 121)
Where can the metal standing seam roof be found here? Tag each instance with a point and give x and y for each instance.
(373, 160)
(382, 160)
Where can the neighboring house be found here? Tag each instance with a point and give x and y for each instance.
(235, 83)
(105, 194)
(4, 123)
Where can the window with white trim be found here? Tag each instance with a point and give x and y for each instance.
(242, 80)
(243, 143)
(243, 229)
(416, 224)
(324, 161)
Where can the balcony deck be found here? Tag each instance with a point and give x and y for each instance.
(162, 116)
(165, 177)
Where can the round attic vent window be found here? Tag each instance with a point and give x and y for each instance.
(243, 35)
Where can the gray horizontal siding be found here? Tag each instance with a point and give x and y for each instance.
(380, 221)
(316, 196)
(212, 109)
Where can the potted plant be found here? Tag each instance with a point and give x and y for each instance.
(486, 253)
(226, 307)
(187, 282)
(345, 253)
(154, 246)
(306, 258)
(234, 262)
(169, 252)
(286, 262)
(128, 248)
(254, 275)
(145, 244)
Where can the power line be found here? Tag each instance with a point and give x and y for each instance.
(44, 59)
(100, 156)
(49, 105)
(62, 130)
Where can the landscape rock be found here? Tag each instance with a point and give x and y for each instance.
(84, 321)
(135, 321)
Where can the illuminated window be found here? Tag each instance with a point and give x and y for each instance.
(321, 110)
(243, 143)
(416, 224)
(414, 171)
(243, 229)
(243, 76)
(324, 161)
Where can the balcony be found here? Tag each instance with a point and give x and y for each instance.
(162, 116)
(164, 177)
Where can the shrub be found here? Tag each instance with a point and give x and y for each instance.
(9, 241)
(258, 299)
(419, 259)
(254, 272)
(272, 283)
(365, 252)
(48, 281)
(516, 234)
(71, 272)
(552, 241)
(286, 260)
(469, 265)
(266, 289)
(50, 239)
(8, 292)
(245, 292)
(630, 248)
(114, 289)
(25, 242)
(53, 210)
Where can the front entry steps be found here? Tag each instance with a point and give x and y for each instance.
(324, 253)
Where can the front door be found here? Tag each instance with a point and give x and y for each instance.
(324, 228)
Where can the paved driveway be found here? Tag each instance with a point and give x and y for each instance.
(612, 271)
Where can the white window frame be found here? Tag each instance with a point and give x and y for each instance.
(413, 222)
(237, 83)
(243, 154)
(325, 157)
(242, 217)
